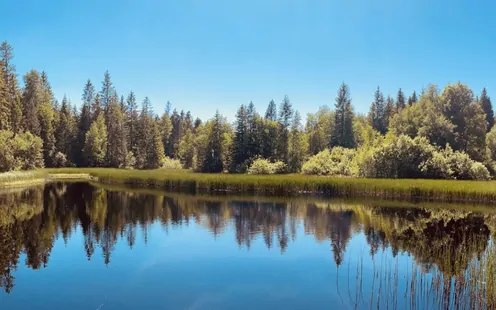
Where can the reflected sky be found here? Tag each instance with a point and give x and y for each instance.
(74, 246)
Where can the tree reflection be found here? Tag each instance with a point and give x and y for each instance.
(31, 220)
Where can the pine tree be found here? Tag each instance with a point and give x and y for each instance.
(64, 132)
(297, 145)
(253, 143)
(389, 110)
(96, 108)
(95, 145)
(4, 105)
(271, 113)
(240, 142)
(187, 149)
(400, 101)
(412, 99)
(377, 114)
(85, 120)
(165, 127)
(13, 96)
(285, 115)
(46, 117)
(214, 160)
(116, 136)
(155, 151)
(133, 123)
(487, 107)
(342, 134)
(106, 94)
(31, 98)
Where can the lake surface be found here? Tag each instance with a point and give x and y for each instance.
(75, 246)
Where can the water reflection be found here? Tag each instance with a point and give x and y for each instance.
(451, 252)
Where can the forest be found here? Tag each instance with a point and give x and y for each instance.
(437, 134)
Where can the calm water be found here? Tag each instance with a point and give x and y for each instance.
(74, 246)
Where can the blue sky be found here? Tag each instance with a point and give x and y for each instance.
(203, 55)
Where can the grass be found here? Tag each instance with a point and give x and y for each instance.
(278, 185)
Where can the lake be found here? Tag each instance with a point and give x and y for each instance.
(75, 246)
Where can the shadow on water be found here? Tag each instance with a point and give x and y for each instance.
(452, 263)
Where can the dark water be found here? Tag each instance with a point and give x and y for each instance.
(74, 246)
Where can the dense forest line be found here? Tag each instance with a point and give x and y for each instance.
(438, 134)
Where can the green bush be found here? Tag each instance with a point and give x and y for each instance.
(170, 163)
(20, 152)
(264, 166)
(336, 161)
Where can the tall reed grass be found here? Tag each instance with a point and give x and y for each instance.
(175, 180)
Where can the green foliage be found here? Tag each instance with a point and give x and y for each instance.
(170, 163)
(20, 152)
(336, 162)
(264, 166)
(487, 107)
(297, 148)
(342, 135)
(116, 136)
(95, 146)
(319, 127)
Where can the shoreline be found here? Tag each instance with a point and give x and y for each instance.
(266, 185)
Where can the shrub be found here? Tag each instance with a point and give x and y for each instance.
(60, 160)
(479, 172)
(264, 166)
(330, 162)
(170, 163)
(22, 152)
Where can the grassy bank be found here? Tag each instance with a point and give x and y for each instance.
(278, 185)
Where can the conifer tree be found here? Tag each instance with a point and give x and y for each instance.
(106, 94)
(271, 113)
(116, 139)
(240, 142)
(12, 93)
(31, 98)
(297, 145)
(4, 105)
(389, 111)
(377, 114)
(285, 115)
(46, 117)
(342, 134)
(487, 107)
(133, 123)
(95, 146)
(400, 101)
(214, 157)
(65, 130)
(85, 119)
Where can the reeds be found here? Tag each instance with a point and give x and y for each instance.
(174, 180)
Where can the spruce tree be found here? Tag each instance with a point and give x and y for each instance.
(116, 136)
(95, 145)
(400, 101)
(297, 145)
(4, 105)
(13, 96)
(342, 134)
(271, 113)
(106, 94)
(377, 114)
(31, 99)
(85, 120)
(64, 132)
(240, 142)
(165, 127)
(487, 107)
(285, 116)
(133, 123)
(214, 160)
(389, 111)
(46, 117)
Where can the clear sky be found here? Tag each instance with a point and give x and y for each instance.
(208, 54)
